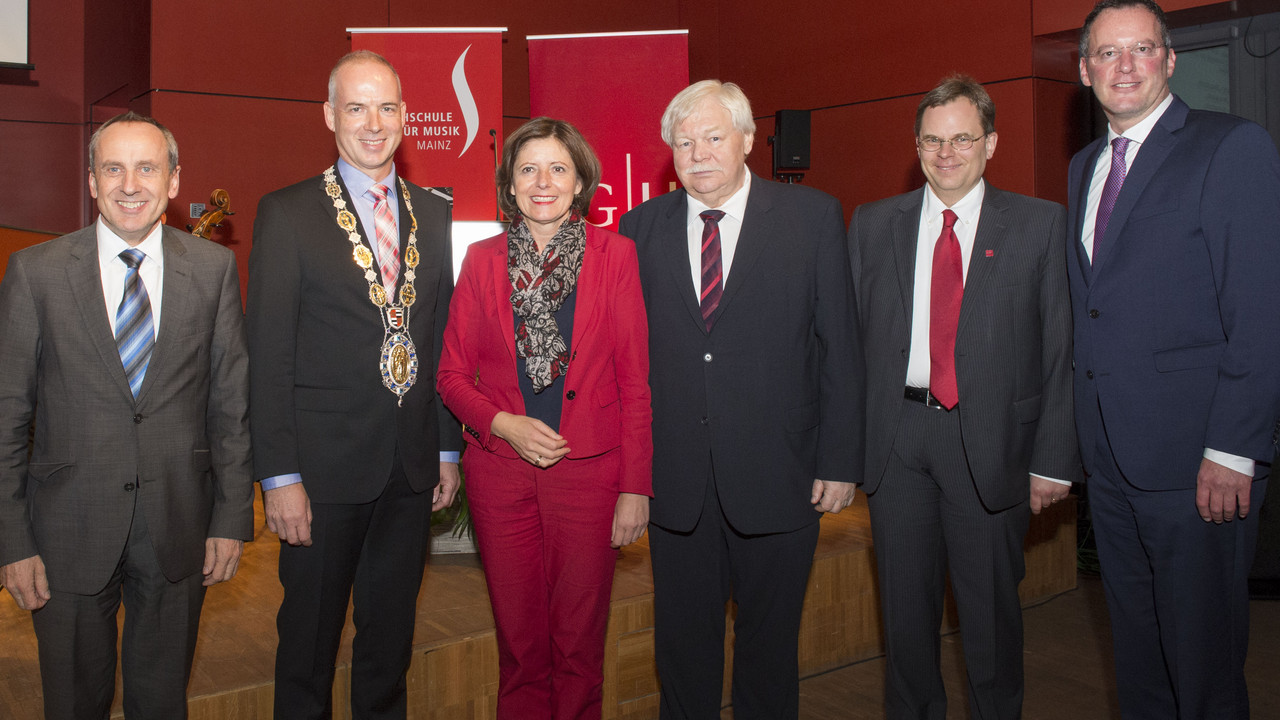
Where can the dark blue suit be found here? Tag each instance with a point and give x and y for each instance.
(1177, 335)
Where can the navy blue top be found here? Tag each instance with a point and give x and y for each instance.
(546, 405)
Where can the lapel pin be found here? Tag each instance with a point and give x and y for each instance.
(991, 253)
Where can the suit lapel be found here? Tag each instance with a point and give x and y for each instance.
(501, 288)
(176, 297)
(906, 231)
(366, 234)
(85, 279)
(752, 240)
(989, 236)
(589, 281)
(1151, 155)
(675, 236)
(1080, 209)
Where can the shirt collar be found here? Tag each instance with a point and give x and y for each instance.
(358, 183)
(735, 207)
(1139, 132)
(966, 208)
(111, 245)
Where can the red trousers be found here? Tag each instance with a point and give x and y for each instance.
(544, 543)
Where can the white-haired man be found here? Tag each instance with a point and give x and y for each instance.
(757, 405)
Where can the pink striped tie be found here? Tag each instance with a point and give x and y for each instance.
(712, 283)
(388, 242)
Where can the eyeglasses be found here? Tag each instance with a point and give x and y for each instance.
(1140, 51)
(930, 143)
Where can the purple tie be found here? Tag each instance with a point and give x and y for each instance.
(1110, 191)
(712, 284)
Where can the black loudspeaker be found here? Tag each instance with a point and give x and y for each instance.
(791, 141)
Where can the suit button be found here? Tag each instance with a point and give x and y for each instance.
(706, 358)
(704, 420)
(1094, 314)
(1088, 374)
(570, 395)
(128, 487)
(137, 419)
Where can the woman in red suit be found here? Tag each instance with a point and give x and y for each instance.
(546, 363)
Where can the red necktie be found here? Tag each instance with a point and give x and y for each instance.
(945, 291)
(712, 284)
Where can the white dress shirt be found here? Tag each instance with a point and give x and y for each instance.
(968, 210)
(113, 269)
(1138, 135)
(730, 228)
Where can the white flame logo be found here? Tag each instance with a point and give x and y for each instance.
(466, 101)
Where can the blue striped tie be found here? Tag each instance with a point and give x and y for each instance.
(134, 335)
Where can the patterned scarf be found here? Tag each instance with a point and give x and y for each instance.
(540, 283)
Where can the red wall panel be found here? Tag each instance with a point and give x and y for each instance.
(808, 55)
(54, 91)
(247, 146)
(277, 49)
(43, 176)
(523, 19)
(1052, 16)
(867, 151)
(42, 144)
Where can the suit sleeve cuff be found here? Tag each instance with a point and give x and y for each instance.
(279, 481)
(1233, 462)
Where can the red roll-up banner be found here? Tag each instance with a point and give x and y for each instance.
(451, 79)
(613, 87)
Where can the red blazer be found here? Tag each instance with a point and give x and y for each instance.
(605, 391)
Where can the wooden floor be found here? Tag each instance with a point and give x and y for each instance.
(454, 671)
(1068, 666)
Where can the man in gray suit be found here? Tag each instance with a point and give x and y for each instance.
(962, 298)
(124, 343)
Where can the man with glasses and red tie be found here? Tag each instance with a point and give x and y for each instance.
(1173, 254)
(962, 296)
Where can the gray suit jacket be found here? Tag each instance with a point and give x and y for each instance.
(1013, 342)
(179, 452)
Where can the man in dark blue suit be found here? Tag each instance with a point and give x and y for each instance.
(757, 380)
(1173, 224)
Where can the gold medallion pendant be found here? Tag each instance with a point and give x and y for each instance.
(399, 358)
(399, 363)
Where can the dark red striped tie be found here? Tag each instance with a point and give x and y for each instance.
(712, 269)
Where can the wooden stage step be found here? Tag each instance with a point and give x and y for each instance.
(454, 674)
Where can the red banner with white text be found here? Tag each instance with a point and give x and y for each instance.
(613, 87)
(452, 84)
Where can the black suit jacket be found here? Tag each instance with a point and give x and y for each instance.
(1013, 341)
(772, 397)
(318, 403)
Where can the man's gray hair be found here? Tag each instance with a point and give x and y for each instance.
(170, 142)
(687, 101)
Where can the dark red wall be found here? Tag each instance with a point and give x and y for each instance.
(241, 83)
